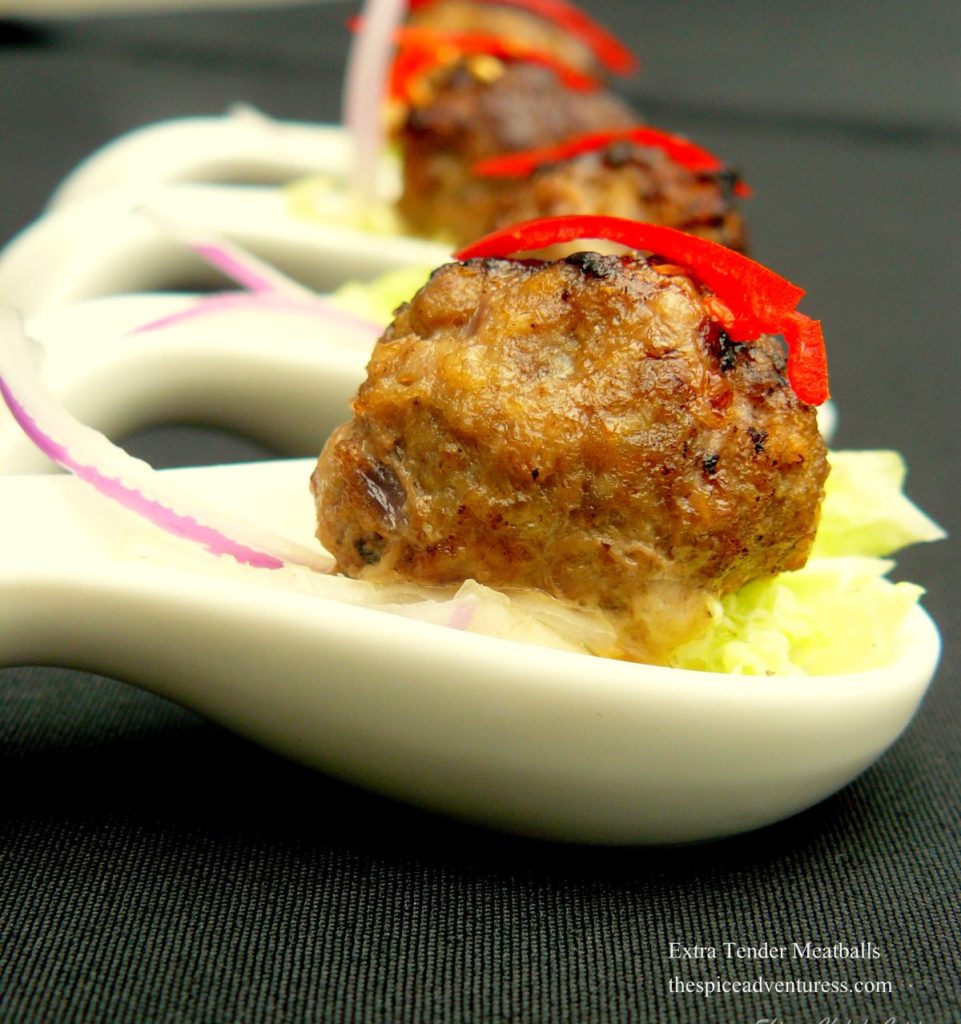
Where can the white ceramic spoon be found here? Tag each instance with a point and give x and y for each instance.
(527, 739)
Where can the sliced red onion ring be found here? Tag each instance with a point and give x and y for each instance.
(131, 482)
(225, 302)
(239, 265)
(266, 286)
(368, 67)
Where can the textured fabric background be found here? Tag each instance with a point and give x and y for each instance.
(154, 868)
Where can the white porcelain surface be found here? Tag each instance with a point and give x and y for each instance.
(526, 739)
(285, 379)
(523, 738)
(104, 245)
(242, 147)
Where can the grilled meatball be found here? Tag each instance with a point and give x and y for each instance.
(478, 108)
(578, 427)
(508, 23)
(623, 180)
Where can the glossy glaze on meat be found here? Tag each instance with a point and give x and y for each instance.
(580, 428)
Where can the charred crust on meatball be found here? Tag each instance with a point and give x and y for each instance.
(593, 263)
(758, 437)
(369, 548)
(724, 350)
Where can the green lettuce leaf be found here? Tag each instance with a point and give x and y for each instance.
(378, 299)
(834, 615)
(865, 511)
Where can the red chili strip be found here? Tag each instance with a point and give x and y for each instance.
(410, 66)
(758, 300)
(607, 48)
(682, 151)
(431, 41)
(807, 364)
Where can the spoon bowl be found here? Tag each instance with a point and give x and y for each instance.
(522, 738)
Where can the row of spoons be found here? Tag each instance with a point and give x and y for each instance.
(539, 741)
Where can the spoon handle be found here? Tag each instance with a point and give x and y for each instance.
(284, 378)
(243, 146)
(104, 245)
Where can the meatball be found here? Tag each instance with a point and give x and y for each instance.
(509, 23)
(478, 108)
(623, 180)
(580, 428)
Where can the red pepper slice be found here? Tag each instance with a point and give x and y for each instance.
(807, 365)
(750, 299)
(610, 52)
(410, 66)
(682, 151)
(430, 42)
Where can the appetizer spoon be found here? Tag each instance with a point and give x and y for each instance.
(224, 175)
(526, 739)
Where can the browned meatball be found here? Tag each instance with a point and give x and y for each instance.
(508, 23)
(623, 180)
(581, 428)
(482, 107)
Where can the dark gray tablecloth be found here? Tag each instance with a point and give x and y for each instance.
(155, 868)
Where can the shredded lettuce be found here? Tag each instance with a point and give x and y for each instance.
(378, 299)
(322, 198)
(834, 615)
(865, 511)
